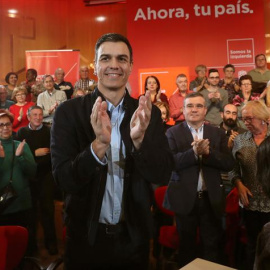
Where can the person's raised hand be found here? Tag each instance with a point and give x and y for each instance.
(140, 120)
(101, 124)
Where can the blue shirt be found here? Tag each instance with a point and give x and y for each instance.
(111, 208)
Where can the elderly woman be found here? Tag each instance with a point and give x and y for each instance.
(16, 161)
(245, 94)
(152, 84)
(19, 109)
(200, 82)
(255, 202)
(11, 80)
(229, 83)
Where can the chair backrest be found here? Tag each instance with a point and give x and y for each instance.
(13, 243)
(159, 198)
(232, 202)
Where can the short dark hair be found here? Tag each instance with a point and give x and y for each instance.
(212, 70)
(193, 95)
(245, 77)
(33, 108)
(8, 75)
(156, 79)
(5, 113)
(229, 66)
(258, 55)
(113, 37)
(33, 71)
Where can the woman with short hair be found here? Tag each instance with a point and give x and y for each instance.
(11, 80)
(253, 198)
(19, 109)
(17, 164)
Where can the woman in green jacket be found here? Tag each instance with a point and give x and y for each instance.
(24, 168)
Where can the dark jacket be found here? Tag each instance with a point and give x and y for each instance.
(182, 190)
(83, 178)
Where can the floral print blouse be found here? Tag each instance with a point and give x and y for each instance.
(244, 152)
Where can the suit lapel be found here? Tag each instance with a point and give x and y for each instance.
(187, 134)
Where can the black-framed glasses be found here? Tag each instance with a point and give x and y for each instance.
(247, 119)
(7, 125)
(217, 78)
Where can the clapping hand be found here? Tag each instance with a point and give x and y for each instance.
(140, 120)
(2, 151)
(200, 146)
(20, 115)
(19, 150)
(42, 152)
(101, 124)
(231, 138)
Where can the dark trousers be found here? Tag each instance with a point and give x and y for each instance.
(23, 219)
(110, 252)
(254, 222)
(201, 220)
(42, 191)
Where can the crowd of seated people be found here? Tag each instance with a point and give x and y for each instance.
(225, 98)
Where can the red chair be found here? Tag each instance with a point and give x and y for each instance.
(13, 243)
(168, 235)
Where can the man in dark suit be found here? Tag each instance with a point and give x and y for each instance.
(195, 192)
(107, 148)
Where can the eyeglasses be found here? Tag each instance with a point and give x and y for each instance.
(7, 125)
(247, 119)
(246, 84)
(20, 95)
(197, 106)
(212, 78)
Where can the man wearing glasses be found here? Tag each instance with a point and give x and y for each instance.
(195, 192)
(215, 97)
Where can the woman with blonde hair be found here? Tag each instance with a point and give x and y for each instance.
(19, 109)
(253, 198)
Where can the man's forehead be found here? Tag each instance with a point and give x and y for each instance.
(230, 108)
(214, 74)
(113, 48)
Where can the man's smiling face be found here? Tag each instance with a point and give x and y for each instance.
(113, 66)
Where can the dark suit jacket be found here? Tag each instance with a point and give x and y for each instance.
(182, 189)
(83, 179)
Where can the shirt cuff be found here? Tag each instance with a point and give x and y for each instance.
(103, 162)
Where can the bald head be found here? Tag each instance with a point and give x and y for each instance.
(59, 75)
(84, 72)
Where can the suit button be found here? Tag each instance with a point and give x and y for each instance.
(97, 169)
